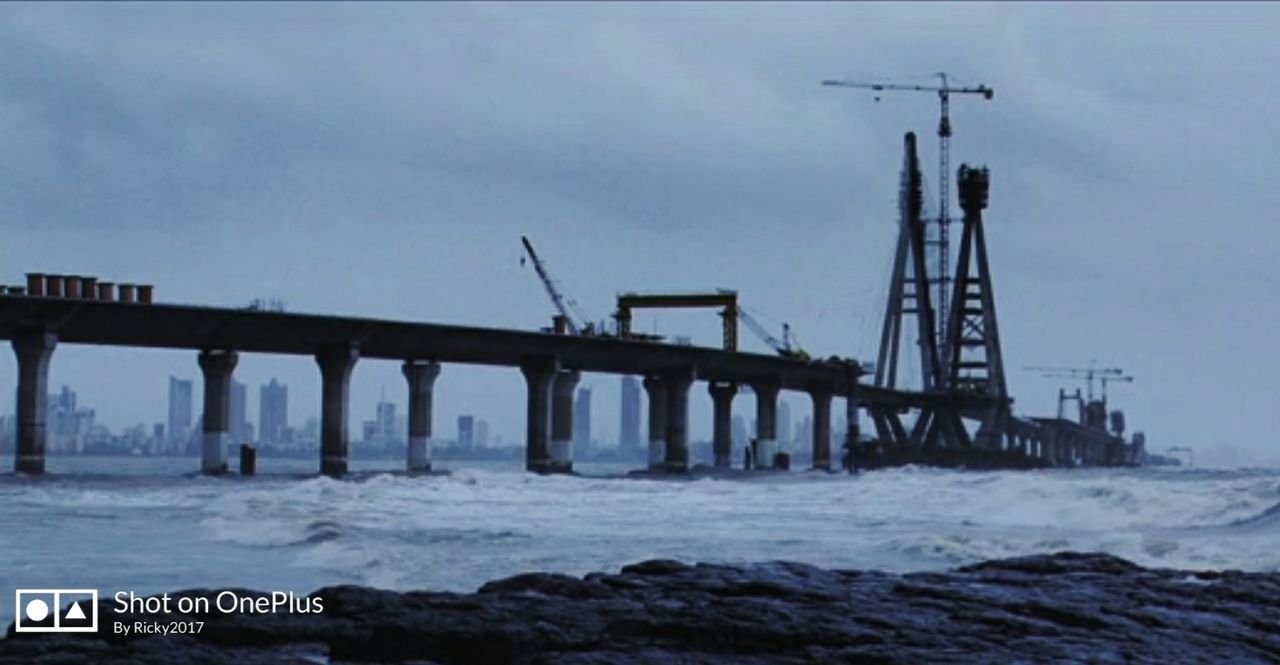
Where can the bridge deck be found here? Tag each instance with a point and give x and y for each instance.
(192, 327)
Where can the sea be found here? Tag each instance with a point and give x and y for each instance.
(150, 525)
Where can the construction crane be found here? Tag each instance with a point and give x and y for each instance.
(1105, 374)
(1112, 379)
(784, 347)
(557, 299)
(944, 92)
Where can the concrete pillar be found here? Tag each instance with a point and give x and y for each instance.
(561, 449)
(821, 429)
(335, 362)
(421, 375)
(656, 391)
(216, 365)
(722, 422)
(34, 349)
(539, 374)
(766, 445)
(851, 421)
(676, 457)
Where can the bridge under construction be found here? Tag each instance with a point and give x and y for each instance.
(960, 413)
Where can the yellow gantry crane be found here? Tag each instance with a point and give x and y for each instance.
(944, 91)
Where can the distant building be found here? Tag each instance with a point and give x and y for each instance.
(237, 423)
(482, 433)
(273, 412)
(68, 425)
(629, 430)
(179, 413)
(804, 432)
(466, 432)
(310, 429)
(738, 433)
(582, 422)
(386, 417)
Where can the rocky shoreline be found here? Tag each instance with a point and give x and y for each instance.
(1066, 607)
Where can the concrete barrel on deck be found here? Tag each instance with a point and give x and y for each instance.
(89, 288)
(53, 286)
(35, 283)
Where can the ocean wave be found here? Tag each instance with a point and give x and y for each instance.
(1269, 516)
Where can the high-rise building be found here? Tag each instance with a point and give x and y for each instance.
(804, 433)
(386, 419)
(179, 413)
(466, 432)
(273, 412)
(738, 433)
(237, 423)
(482, 433)
(629, 431)
(68, 426)
(582, 422)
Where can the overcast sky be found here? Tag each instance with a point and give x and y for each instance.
(384, 161)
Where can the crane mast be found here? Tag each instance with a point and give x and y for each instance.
(556, 298)
(942, 281)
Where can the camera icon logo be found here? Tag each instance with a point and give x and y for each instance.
(42, 611)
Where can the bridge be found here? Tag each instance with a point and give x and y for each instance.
(958, 389)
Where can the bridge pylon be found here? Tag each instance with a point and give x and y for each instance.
(974, 364)
(909, 285)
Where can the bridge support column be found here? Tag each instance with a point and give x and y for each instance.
(722, 422)
(766, 443)
(821, 429)
(421, 376)
(676, 455)
(336, 363)
(561, 449)
(655, 389)
(33, 349)
(539, 373)
(852, 430)
(216, 365)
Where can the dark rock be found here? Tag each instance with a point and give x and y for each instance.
(1067, 607)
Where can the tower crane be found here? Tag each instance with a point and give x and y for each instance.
(944, 92)
(784, 347)
(557, 299)
(1105, 374)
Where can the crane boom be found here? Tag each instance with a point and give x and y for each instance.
(944, 91)
(556, 298)
(981, 89)
(783, 347)
(760, 332)
(1106, 374)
